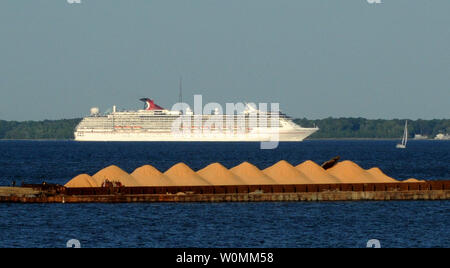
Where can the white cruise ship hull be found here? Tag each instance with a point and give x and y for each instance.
(292, 135)
(157, 124)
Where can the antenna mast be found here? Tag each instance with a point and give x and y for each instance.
(180, 96)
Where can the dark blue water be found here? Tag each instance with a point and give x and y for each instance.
(336, 224)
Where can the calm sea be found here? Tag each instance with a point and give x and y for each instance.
(333, 224)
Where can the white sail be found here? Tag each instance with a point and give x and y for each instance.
(406, 132)
(405, 137)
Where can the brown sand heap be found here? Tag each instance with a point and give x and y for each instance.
(284, 173)
(244, 174)
(380, 176)
(216, 174)
(251, 175)
(82, 181)
(412, 180)
(316, 173)
(182, 175)
(114, 173)
(149, 176)
(350, 172)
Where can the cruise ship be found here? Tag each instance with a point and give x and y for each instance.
(154, 123)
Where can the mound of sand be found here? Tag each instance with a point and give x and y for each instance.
(216, 174)
(284, 173)
(251, 175)
(114, 173)
(182, 175)
(244, 174)
(81, 181)
(412, 180)
(350, 172)
(380, 176)
(316, 174)
(149, 176)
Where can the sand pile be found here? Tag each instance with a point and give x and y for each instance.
(251, 175)
(412, 180)
(114, 173)
(82, 181)
(350, 172)
(149, 176)
(182, 175)
(244, 174)
(284, 173)
(316, 173)
(380, 176)
(216, 174)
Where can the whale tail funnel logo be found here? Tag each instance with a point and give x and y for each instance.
(150, 105)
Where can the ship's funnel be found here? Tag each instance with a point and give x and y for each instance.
(150, 105)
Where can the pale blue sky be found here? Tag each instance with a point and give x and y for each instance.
(318, 58)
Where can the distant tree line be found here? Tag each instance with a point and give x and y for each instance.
(329, 128)
(47, 129)
(368, 128)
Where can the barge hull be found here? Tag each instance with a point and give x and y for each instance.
(264, 197)
(431, 190)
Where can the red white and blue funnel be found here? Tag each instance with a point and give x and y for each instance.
(150, 105)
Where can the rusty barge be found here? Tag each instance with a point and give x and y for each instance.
(430, 190)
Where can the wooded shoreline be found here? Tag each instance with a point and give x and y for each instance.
(330, 128)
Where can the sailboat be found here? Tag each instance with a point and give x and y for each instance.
(405, 137)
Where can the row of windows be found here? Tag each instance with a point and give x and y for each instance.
(166, 122)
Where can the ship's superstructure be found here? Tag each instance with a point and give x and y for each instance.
(155, 123)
